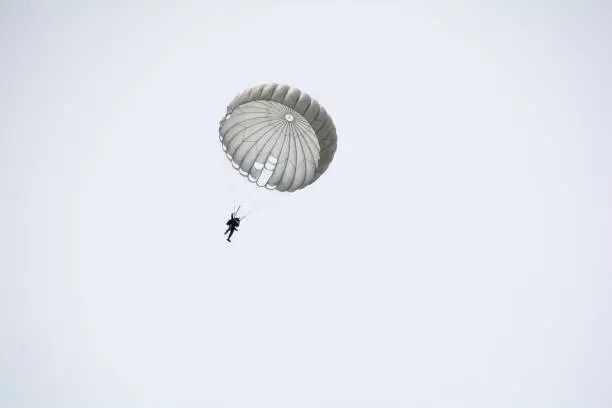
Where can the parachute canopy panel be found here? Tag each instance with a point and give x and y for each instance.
(278, 137)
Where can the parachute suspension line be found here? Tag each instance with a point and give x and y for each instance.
(235, 209)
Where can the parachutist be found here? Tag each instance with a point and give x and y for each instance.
(232, 225)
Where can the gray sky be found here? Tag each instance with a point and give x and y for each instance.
(457, 253)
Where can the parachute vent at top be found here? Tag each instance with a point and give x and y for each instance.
(278, 137)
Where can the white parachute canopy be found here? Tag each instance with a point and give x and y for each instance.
(278, 137)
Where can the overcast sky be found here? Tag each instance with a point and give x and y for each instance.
(457, 253)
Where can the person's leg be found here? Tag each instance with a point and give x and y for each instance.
(230, 235)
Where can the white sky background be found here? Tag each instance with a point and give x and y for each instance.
(457, 253)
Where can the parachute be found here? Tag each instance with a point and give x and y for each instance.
(278, 137)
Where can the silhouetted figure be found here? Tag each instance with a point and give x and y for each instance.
(232, 225)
